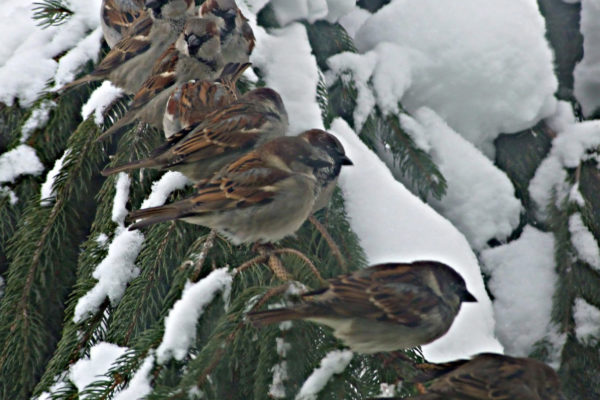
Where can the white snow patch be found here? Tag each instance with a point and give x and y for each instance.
(59, 383)
(352, 21)
(7, 192)
(99, 100)
(90, 369)
(47, 192)
(285, 58)
(38, 119)
(280, 375)
(287, 11)
(583, 241)
(480, 199)
(70, 64)
(101, 239)
(118, 268)
(139, 386)
(387, 390)
(499, 79)
(522, 281)
(563, 117)
(119, 210)
(335, 362)
(394, 225)
(22, 160)
(180, 324)
(587, 322)
(587, 72)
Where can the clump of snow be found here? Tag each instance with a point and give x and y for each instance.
(101, 239)
(480, 199)
(90, 369)
(587, 322)
(280, 375)
(59, 383)
(522, 281)
(583, 241)
(27, 55)
(395, 225)
(180, 324)
(387, 390)
(99, 100)
(119, 210)
(562, 118)
(587, 81)
(335, 362)
(352, 21)
(284, 57)
(7, 192)
(38, 119)
(139, 386)
(310, 10)
(70, 64)
(21, 160)
(499, 79)
(118, 268)
(569, 149)
(47, 190)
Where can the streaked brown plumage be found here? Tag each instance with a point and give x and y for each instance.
(385, 307)
(221, 138)
(490, 376)
(192, 101)
(117, 17)
(263, 196)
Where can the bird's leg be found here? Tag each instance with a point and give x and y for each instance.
(330, 242)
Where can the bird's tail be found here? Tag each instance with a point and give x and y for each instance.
(152, 215)
(119, 126)
(145, 163)
(262, 318)
(77, 82)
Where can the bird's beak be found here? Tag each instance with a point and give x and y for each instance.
(467, 297)
(194, 43)
(346, 161)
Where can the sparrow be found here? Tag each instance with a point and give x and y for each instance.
(385, 307)
(129, 63)
(117, 17)
(195, 54)
(326, 177)
(237, 38)
(224, 135)
(263, 196)
(190, 102)
(490, 376)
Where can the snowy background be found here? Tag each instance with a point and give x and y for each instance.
(466, 71)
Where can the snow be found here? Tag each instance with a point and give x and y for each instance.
(310, 10)
(522, 281)
(27, 54)
(583, 241)
(335, 362)
(352, 21)
(21, 160)
(70, 64)
(119, 210)
(139, 386)
(480, 199)
(587, 71)
(499, 79)
(569, 148)
(284, 57)
(180, 324)
(47, 193)
(99, 100)
(38, 119)
(59, 383)
(397, 226)
(118, 268)
(587, 322)
(280, 375)
(7, 192)
(90, 369)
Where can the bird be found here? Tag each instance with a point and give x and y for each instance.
(327, 177)
(223, 136)
(195, 54)
(129, 63)
(191, 101)
(237, 38)
(262, 197)
(385, 307)
(117, 17)
(489, 376)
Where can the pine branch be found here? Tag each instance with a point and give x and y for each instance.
(51, 12)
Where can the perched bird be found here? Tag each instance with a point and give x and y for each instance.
(490, 376)
(262, 197)
(117, 17)
(223, 136)
(130, 61)
(385, 307)
(190, 102)
(195, 54)
(237, 38)
(326, 177)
